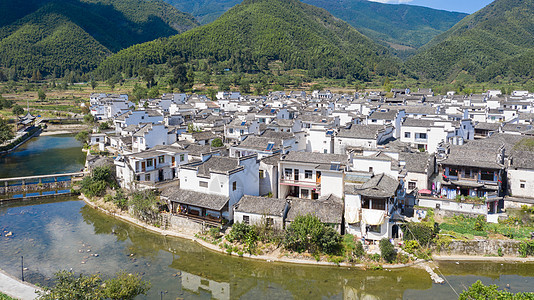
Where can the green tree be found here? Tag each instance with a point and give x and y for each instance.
(307, 233)
(18, 110)
(82, 136)
(217, 143)
(139, 92)
(89, 119)
(145, 205)
(387, 251)
(147, 75)
(69, 286)
(4, 103)
(6, 131)
(94, 84)
(41, 95)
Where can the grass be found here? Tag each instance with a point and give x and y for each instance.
(5, 297)
(465, 228)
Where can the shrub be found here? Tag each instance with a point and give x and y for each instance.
(499, 252)
(480, 223)
(420, 232)
(307, 233)
(121, 200)
(526, 249)
(217, 143)
(145, 205)
(359, 251)
(215, 233)
(387, 251)
(480, 291)
(411, 246)
(98, 182)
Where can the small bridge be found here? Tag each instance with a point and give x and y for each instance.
(37, 186)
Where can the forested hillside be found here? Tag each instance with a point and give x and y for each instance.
(56, 36)
(255, 32)
(400, 26)
(495, 42)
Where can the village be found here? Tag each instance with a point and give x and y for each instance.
(362, 163)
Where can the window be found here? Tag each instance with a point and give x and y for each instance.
(262, 174)
(182, 157)
(203, 184)
(150, 163)
(407, 135)
(366, 203)
(370, 169)
(241, 131)
(234, 185)
(486, 175)
(411, 185)
(147, 177)
(453, 172)
(375, 228)
(308, 174)
(304, 193)
(522, 185)
(161, 159)
(231, 130)
(287, 173)
(422, 135)
(246, 220)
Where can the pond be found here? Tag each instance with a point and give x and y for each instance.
(43, 155)
(67, 234)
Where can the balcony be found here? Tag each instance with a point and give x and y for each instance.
(308, 183)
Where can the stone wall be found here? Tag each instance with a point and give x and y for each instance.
(45, 186)
(481, 248)
(178, 223)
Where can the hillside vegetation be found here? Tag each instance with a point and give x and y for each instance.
(495, 42)
(56, 36)
(255, 32)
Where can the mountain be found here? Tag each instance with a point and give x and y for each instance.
(58, 35)
(496, 41)
(205, 11)
(401, 26)
(254, 32)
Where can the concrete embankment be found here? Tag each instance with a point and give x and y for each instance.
(15, 288)
(268, 258)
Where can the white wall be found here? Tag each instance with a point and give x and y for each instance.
(518, 177)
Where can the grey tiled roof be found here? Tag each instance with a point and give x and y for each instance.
(261, 206)
(380, 186)
(209, 201)
(316, 158)
(215, 164)
(272, 159)
(361, 131)
(522, 159)
(478, 155)
(260, 143)
(418, 122)
(415, 162)
(328, 210)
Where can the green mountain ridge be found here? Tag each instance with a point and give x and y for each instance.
(257, 31)
(497, 41)
(59, 35)
(397, 25)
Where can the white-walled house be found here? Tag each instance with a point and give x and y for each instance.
(220, 177)
(150, 166)
(364, 136)
(387, 116)
(136, 117)
(238, 129)
(151, 135)
(311, 175)
(369, 208)
(418, 168)
(255, 210)
(521, 174)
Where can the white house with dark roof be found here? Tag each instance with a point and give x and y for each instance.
(329, 209)
(520, 174)
(363, 136)
(254, 210)
(223, 177)
(418, 168)
(370, 209)
(311, 175)
(238, 129)
(136, 117)
(150, 135)
(387, 116)
(150, 166)
(260, 145)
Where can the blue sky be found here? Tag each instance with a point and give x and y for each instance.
(467, 6)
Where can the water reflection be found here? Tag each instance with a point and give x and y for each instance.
(43, 155)
(70, 235)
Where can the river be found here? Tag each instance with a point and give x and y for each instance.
(67, 234)
(43, 155)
